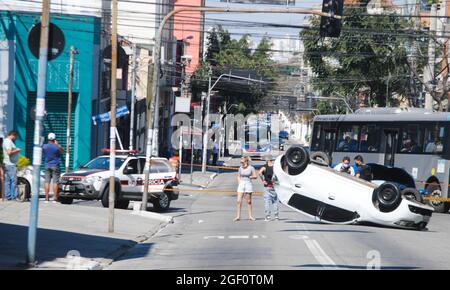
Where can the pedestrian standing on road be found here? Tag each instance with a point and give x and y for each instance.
(52, 153)
(10, 159)
(215, 153)
(270, 196)
(245, 188)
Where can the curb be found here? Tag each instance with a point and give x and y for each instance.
(154, 216)
(82, 263)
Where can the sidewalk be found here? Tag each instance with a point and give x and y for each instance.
(70, 237)
(200, 179)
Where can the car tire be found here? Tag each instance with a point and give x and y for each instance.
(412, 194)
(387, 197)
(65, 200)
(120, 203)
(105, 197)
(23, 181)
(320, 158)
(296, 158)
(434, 190)
(162, 203)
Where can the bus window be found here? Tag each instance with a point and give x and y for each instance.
(434, 136)
(411, 140)
(369, 139)
(348, 138)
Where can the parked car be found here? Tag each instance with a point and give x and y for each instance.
(311, 187)
(91, 182)
(255, 150)
(25, 179)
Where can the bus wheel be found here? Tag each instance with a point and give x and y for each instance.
(412, 194)
(434, 190)
(320, 158)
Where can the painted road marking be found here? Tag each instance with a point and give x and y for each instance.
(233, 237)
(320, 254)
(314, 247)
(238, 237)
(214, 237)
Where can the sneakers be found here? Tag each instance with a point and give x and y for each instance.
(55, 201)
(277, 218)
(267, 219)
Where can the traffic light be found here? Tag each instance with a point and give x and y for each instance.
(329, 26)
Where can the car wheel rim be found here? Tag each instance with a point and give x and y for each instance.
(296, 156)
(436, 193)
(163, 200)
(388, 196)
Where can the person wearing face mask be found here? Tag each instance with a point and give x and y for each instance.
(345, 166)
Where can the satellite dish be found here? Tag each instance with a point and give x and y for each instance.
(56, 41)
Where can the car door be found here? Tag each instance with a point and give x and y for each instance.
(130, 176)
(154, 175)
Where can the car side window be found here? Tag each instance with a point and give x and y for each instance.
(132, 167)
(153, 168)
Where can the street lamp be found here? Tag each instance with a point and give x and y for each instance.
(208, 96)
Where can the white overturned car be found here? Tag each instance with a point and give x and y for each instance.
(311, 187)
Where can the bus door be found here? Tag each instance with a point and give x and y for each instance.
(330, 135)
(390, 142)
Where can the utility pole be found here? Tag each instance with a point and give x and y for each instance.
(430, 78)
(112, 131)
(415, 51)
(149, 144)
(133, 96)
(69, 107)
(205, 133)
(37, 141)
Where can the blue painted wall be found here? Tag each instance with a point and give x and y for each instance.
(84, 33)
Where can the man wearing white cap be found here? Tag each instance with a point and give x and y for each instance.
(52, 154)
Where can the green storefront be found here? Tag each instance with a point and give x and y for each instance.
(83, 32)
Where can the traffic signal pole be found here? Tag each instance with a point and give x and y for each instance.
(154, 97)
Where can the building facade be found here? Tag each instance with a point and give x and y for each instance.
(19, 42)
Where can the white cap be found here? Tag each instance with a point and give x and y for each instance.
(51, 136)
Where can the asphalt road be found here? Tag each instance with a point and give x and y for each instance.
(204, 236)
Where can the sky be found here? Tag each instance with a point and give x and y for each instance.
(288, 19)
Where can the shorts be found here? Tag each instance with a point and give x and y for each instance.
(52, 174)
(245, 187)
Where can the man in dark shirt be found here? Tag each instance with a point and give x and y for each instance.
(270, 196)
(363, 171)
(52, 154)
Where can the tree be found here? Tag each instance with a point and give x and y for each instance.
(225, 55)
(370, 57)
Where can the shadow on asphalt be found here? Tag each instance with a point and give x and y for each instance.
(353, 267)
(53, 244)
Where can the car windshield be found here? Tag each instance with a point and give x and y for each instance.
(103, 163)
